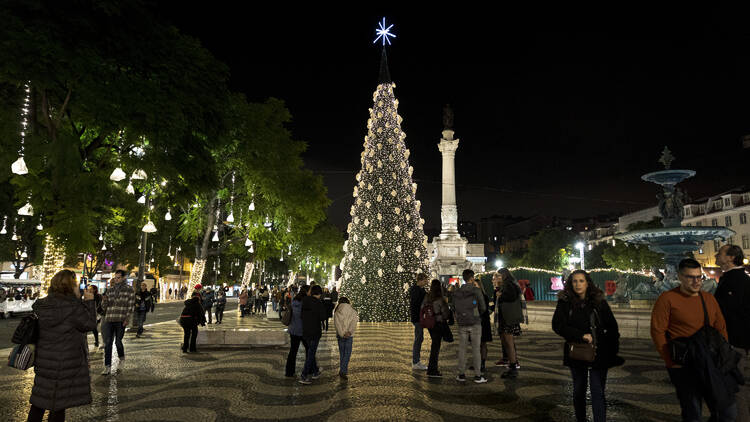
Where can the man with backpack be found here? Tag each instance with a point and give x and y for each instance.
(416, 297)
(468, 302)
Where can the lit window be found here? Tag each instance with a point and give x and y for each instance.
(700, 251)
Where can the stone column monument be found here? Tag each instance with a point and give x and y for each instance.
(449, 248)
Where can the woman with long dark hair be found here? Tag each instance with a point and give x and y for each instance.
(442, 314)
(486, 324)
(295, 332)
(583, 316)
(511, 316)
(61, 363)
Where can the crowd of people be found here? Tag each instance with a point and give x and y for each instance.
(702, 338)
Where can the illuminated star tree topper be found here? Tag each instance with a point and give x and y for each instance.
(384, 33)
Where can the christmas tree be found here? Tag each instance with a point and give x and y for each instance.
(386, 246)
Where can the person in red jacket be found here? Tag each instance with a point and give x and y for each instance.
(679, 313)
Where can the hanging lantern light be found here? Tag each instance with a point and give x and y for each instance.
(248, 242)
(26, 210)
(139, 175)
(149, 227)
(268, 223)
(216, 237)
(117, 175)
(40, 226)
(290, 251)
(24, 255)
(142, 199)
(14, 237)
(130, 188)
(252, 205)
(4, 231)
(19, 166)
(251, 249)
(100, 235)
(167, 216)
(104, 247)
(230, 218)
(282, 257)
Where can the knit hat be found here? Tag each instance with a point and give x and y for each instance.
(198, 286)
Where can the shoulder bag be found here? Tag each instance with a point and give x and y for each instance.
(585, 352)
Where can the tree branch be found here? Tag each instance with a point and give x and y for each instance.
(64, 106)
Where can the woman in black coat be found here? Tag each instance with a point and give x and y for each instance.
(61, 362)
(192, 315)
(578, 304)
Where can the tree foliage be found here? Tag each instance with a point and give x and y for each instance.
(549, 249)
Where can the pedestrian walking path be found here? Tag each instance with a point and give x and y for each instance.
(158, 382)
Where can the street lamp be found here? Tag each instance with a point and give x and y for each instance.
(499, 263)
(580, 247)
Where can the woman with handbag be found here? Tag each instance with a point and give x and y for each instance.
(442, 313)
(511, 316)
(486, 324)
(192, 315)
(583, 318)
(62, 377)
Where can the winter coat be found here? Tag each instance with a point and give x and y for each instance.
(143, 298)
(733, 295)
(61, 363)
(345, 319)
(243, 298)
(572, 319)
(221, 299)
(193, 314)
(511, 312)
(328, 304)
(416, 297)
(295, 327)
(334, 295)
(208, 299)
(313, 313)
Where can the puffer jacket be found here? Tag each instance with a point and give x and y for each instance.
(572, 320)
(295, 327)
(193, 313)
(61, 364)
(345, 319)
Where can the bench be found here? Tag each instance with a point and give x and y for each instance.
(242, 337)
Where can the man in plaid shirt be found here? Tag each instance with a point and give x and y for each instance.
(117, 302)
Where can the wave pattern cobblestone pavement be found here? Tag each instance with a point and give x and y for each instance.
(158, 383)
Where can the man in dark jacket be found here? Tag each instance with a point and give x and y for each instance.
(733, 295)
(313, 313)
(143, 303)
(208, 301)
(416, 297)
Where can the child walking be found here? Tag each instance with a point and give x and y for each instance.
(345, 319)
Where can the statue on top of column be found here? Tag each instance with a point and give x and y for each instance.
(447, 117)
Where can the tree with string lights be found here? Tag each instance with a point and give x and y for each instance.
(386, 245)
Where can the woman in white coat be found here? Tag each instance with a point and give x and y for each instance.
(345, 319)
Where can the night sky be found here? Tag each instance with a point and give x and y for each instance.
(558, 114)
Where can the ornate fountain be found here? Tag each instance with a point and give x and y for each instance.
(673, 240)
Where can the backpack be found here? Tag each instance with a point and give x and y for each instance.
(286, 316)
(466, 307)
(427, 316)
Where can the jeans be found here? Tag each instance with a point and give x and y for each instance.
(476, 340)
(191, 334)
(291, 359)
(436, 334)
(598, 382)
(743, 396)
(311, 365)
(140, 318)
(219, 313)
(112, 331)
(418, 339)
(275, 306)
(345, 352)
(37, 413)
(96, 337)
(691, 393)
(208, 309)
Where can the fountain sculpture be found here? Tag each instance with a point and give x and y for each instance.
(673, 240)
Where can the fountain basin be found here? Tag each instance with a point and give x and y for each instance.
(668, 177)
(675, 239)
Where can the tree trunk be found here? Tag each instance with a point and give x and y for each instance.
(249, 267)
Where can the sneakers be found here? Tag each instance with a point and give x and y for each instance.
(419, 366)
(107, 370)
(510, 373)
(517, 365)
(480, 379)
(436, 374)
(305, 381)
(461, 378)
(316, 375)
(502, 362)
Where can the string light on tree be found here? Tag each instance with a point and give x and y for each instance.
(385, 214)
(19, 166)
